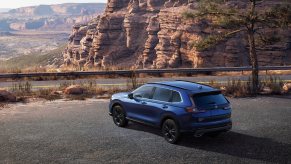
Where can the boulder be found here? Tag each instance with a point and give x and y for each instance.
(56, 92)
(266, 90)
(287, 87)
(6, 96)
(74, 90)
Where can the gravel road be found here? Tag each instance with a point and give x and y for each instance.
(82, 132)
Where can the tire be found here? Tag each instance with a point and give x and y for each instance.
(119, 117)
(171, 131)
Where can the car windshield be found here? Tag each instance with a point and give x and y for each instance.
(209, 99)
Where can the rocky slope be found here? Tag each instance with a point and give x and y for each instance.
(49, 17)
(153, 34)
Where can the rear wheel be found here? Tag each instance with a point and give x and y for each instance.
(119, 117)
(171, 131)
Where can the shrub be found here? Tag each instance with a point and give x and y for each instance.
(133, 82)
(238, 88)
(274, 83)
(47, 94)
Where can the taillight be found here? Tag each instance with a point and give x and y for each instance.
(191, 109)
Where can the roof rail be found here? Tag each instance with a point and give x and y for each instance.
(194, 83)
(168, 85)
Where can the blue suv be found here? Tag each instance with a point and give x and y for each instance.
(175, 107)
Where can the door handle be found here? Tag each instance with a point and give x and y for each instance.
(143, 103)
(165, 107)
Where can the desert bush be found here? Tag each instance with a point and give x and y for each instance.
(215, 84)
(275, 84)
(133, 82)
(66, 84)
(22, 88)
(238, 88)
(47, 94)
(92, 89)
(2, 105)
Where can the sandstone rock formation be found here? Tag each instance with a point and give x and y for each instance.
(287, 87)
(74, 90)
(153, 34)
(79, 50)
(6, 96)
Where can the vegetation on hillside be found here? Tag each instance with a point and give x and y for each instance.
(33, 61)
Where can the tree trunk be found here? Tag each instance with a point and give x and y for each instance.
(254, 62)
(253, 52)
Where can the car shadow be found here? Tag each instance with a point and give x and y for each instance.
(232, 143)
(144, 128)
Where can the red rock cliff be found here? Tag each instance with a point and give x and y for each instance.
(153, 34)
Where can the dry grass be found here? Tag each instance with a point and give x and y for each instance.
(274, 83)
(233, 88)
(238, 88)
(249, 73)
(92, 90)
(47, 94)
(271, 85)
(3, 105)
(284, 72)
(23, 91)
(133, 82)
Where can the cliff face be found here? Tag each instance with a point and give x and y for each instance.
(153, 34)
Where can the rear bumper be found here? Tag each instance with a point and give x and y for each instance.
(212, 128)
(225, 127)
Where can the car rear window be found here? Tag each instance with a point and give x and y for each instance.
(162, 94)
(166, 95)
(176, 97)
(209, 99)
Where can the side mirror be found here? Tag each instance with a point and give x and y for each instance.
(130, 96)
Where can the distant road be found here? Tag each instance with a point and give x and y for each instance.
(121, 82)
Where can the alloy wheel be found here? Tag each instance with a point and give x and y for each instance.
(170, 131)
(119, 116)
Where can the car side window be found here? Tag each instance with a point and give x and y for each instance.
(144, 92)
(176, 97)
(162, 94)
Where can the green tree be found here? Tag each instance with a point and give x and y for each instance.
(251, 21)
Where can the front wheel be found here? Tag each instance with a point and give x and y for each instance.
(119, 117)
(171, 131)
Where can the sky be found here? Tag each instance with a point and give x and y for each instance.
(22, 3)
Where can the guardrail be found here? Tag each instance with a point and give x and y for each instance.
(140, 71)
